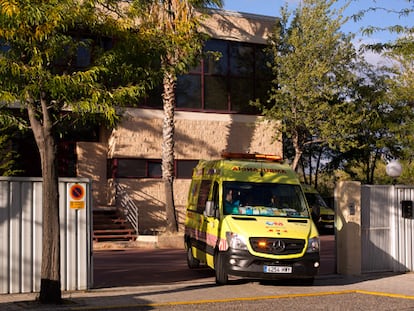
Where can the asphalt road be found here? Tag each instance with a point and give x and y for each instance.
(143, 266)
(159, 279)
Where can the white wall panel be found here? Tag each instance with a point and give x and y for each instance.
(21, 236)
(387, 237)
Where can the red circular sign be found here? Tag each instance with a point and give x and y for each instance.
(77, 192)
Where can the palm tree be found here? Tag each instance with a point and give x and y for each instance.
(175, 25)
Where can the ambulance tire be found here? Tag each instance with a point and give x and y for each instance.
(192, 262)
(221, 276)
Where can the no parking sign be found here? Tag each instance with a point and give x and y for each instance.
(76, 193)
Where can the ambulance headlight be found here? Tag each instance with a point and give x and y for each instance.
(236, 241)
(313, 245)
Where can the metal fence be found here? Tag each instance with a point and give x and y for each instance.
(387, 228)
(21, 234)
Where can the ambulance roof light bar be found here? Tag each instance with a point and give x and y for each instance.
(251, 156)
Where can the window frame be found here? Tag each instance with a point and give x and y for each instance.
(205, 71)
(144, 165)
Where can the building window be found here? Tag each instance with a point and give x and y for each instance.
(188, 91)
(226, 84)
(184, 168)
(128, 168)
(232, 81)
(147, 168)
(154, 169)
(67, 159)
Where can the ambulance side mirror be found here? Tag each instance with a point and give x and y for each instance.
(210, 210)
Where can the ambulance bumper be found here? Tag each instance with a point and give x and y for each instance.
(243, 264)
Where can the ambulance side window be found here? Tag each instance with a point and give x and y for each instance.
(216, 198)
(193, 195)
(203, 195)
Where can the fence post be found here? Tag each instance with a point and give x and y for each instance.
(348, 227)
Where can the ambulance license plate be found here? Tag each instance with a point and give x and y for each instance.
(277, 269)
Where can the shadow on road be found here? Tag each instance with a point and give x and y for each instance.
(154, 266)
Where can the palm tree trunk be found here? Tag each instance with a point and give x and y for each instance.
(168, 149)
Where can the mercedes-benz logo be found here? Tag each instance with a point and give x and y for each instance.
(278, 246)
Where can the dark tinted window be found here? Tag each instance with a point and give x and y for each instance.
(184, 168)
(147, 168)
(230, 76)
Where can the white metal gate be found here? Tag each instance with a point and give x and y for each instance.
(21, 234)
(387, 230)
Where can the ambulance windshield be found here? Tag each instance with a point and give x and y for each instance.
(264, 199)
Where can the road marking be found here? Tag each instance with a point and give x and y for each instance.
(384, 294)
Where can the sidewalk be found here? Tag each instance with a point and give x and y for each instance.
(397, 290)
(398, 287)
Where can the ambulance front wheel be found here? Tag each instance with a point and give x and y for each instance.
(221, 276)
(192, 262)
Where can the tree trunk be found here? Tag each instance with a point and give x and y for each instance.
(318, 164)
(50, 286)
(168, 150)
(298, 151)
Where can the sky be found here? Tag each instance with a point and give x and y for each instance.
(378, 18)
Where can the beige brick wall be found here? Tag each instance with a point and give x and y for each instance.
(92, 165)
(148, 196)
(236, 26)
(197, 136)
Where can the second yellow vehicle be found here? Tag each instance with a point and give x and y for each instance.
(325, 221)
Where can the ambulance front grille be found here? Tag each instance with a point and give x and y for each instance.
(276, 246)
(327, 217)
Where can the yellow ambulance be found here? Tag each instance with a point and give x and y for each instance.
(247, 216)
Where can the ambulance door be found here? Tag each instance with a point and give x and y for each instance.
(212, 225)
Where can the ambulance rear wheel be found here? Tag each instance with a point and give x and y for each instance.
(192, 262)
(221, 276)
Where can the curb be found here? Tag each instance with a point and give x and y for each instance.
(145, 241)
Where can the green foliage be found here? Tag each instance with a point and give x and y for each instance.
(356, 171)
(384, 98)
(46, 39)
(396, 29)
(174, 26)
(66, 62)
(8, 157)
(381, 129)
(339, 114)
(401, 94)
(312, 62)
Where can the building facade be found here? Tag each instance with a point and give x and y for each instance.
(213, 115)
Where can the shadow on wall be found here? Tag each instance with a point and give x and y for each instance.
(92, 165)
(146, 133)
(236, 26)
(240, 136)
(137, 200)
